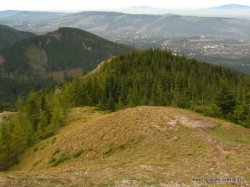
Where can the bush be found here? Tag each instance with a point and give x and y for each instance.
(78, 153)
(108, 151)
(55, 162)
(56, 152)
(47, 135)
(211, 110)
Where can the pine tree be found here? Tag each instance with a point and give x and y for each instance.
(226, 99)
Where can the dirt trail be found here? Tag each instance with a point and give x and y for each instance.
(192, 122)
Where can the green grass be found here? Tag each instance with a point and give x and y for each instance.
(247, 176)
(230, 135)
(56, 161)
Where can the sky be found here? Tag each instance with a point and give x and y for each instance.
(71, 5)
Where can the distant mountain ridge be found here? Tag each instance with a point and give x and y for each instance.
(9, 36)
(7, 13)
(24, 16)
(113, 25)
(40, 61)
(122, 27)
(231, 6)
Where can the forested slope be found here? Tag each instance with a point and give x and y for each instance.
(41, 61)
(156, 77)
(9, 36)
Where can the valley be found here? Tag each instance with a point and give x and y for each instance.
(230, 53)
(227, 36)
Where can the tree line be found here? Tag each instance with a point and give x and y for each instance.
(37, 118)
(156, 77)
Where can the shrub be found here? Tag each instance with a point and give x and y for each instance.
(78, 153)
(108, 151)
(61, 159)
(209, 110)
(47, 135)
(56, 152)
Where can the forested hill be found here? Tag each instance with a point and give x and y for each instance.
(9, 36)
(151, 77)
(156, 77)
(42, 60)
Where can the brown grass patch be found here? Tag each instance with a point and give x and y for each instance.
(38, 60)
(135, 146)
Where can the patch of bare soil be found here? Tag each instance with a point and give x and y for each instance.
(56, 35)
(192, 123)
(5, 116)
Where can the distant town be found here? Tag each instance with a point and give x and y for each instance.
(207, 46)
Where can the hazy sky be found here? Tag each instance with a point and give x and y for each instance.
(111, 4)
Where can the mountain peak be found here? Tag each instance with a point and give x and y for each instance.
(69, 29)
(56, 56)
(232, 6)
(72, 33)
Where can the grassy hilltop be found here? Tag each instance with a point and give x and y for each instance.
(148, 146)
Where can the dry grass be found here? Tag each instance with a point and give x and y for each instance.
(6, 116)
(2, 60)
(60, 75)
(38, 59)
(141, 146)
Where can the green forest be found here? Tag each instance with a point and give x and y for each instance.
(152, 77)
(44, 60)
(9, 36)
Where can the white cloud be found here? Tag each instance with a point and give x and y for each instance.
(111, 4)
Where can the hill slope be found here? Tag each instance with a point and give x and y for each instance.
(126, 27)
(22, 17)
(156, 77)
(42, 60)
(137, 146)
(9, 36)
(7, 13)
